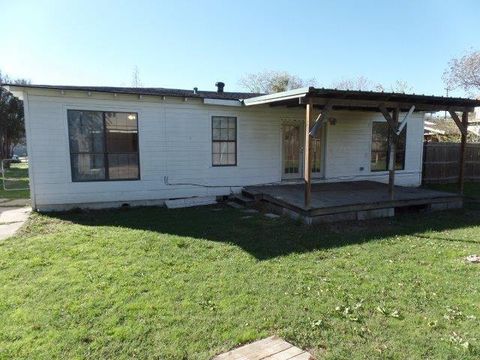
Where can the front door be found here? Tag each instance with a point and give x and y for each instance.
(292, 152)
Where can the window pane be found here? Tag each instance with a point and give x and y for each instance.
(223, 134)
(122, 132)
(85, 129)
(400, 151)
(123, 166)
(223, 159)
(379, 155)
(224, 123)
(88, 167)
(316, 147)
(223, 147)
(215, 122)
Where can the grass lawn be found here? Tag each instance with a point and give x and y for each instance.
(190, 283)
(15, 178)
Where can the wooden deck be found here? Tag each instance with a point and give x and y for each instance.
(357, 200)
(271, 348)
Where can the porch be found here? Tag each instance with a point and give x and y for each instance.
(358, 200)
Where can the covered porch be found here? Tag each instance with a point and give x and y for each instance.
(395, 108)
(357, 200)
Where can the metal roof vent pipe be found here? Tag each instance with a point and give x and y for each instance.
(220, 85)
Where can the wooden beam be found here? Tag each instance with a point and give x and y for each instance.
(405, 120)
(321, 119)
(374, 104)
(389, 118)
(392, 147)
(463, 148)
(461, 127)
(307, 168)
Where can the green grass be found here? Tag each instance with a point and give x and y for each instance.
(471, 189)
(15, 178)
(152, 283)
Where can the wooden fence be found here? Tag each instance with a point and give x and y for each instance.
(441, 162)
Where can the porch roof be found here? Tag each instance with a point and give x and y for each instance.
(363, 100)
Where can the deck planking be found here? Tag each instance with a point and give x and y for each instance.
(336, 195)
(271, 348)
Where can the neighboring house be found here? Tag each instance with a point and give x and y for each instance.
(431, 131)
(443, 129)
(106, 146)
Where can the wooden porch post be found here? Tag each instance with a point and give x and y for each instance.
(463, 148)
(463, 127)
(307, 169)
(392, 148)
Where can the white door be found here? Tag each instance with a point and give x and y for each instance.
(292, 152)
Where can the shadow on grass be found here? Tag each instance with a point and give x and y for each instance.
(265, 238)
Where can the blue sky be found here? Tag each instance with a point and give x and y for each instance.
(196, 43)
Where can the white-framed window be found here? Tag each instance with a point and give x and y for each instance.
(224, 141)
(381, 138)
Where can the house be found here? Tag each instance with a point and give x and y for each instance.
(431, 132)
(108, 146)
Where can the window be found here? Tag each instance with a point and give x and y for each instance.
(224, 141)
(380, 154)
(317, 155)
(103, 145)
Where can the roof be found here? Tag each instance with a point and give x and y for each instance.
(340, 99)
(355, 99)
(145, 91)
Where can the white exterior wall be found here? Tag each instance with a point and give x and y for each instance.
(175, 142)
(349, 149)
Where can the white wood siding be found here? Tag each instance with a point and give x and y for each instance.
(349, 148)
(175, 142)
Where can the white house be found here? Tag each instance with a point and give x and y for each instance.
(105, 146)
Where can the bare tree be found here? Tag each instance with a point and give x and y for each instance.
(464, 73)
(401, 86)
(273, 81)
(362, 83)
(136, 82)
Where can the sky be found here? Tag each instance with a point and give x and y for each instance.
(183, 44)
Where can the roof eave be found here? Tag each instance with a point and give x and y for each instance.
(363, 99)
(284, 95)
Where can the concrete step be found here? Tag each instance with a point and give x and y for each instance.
(234, 205)
(243, 200)
(251, 195)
